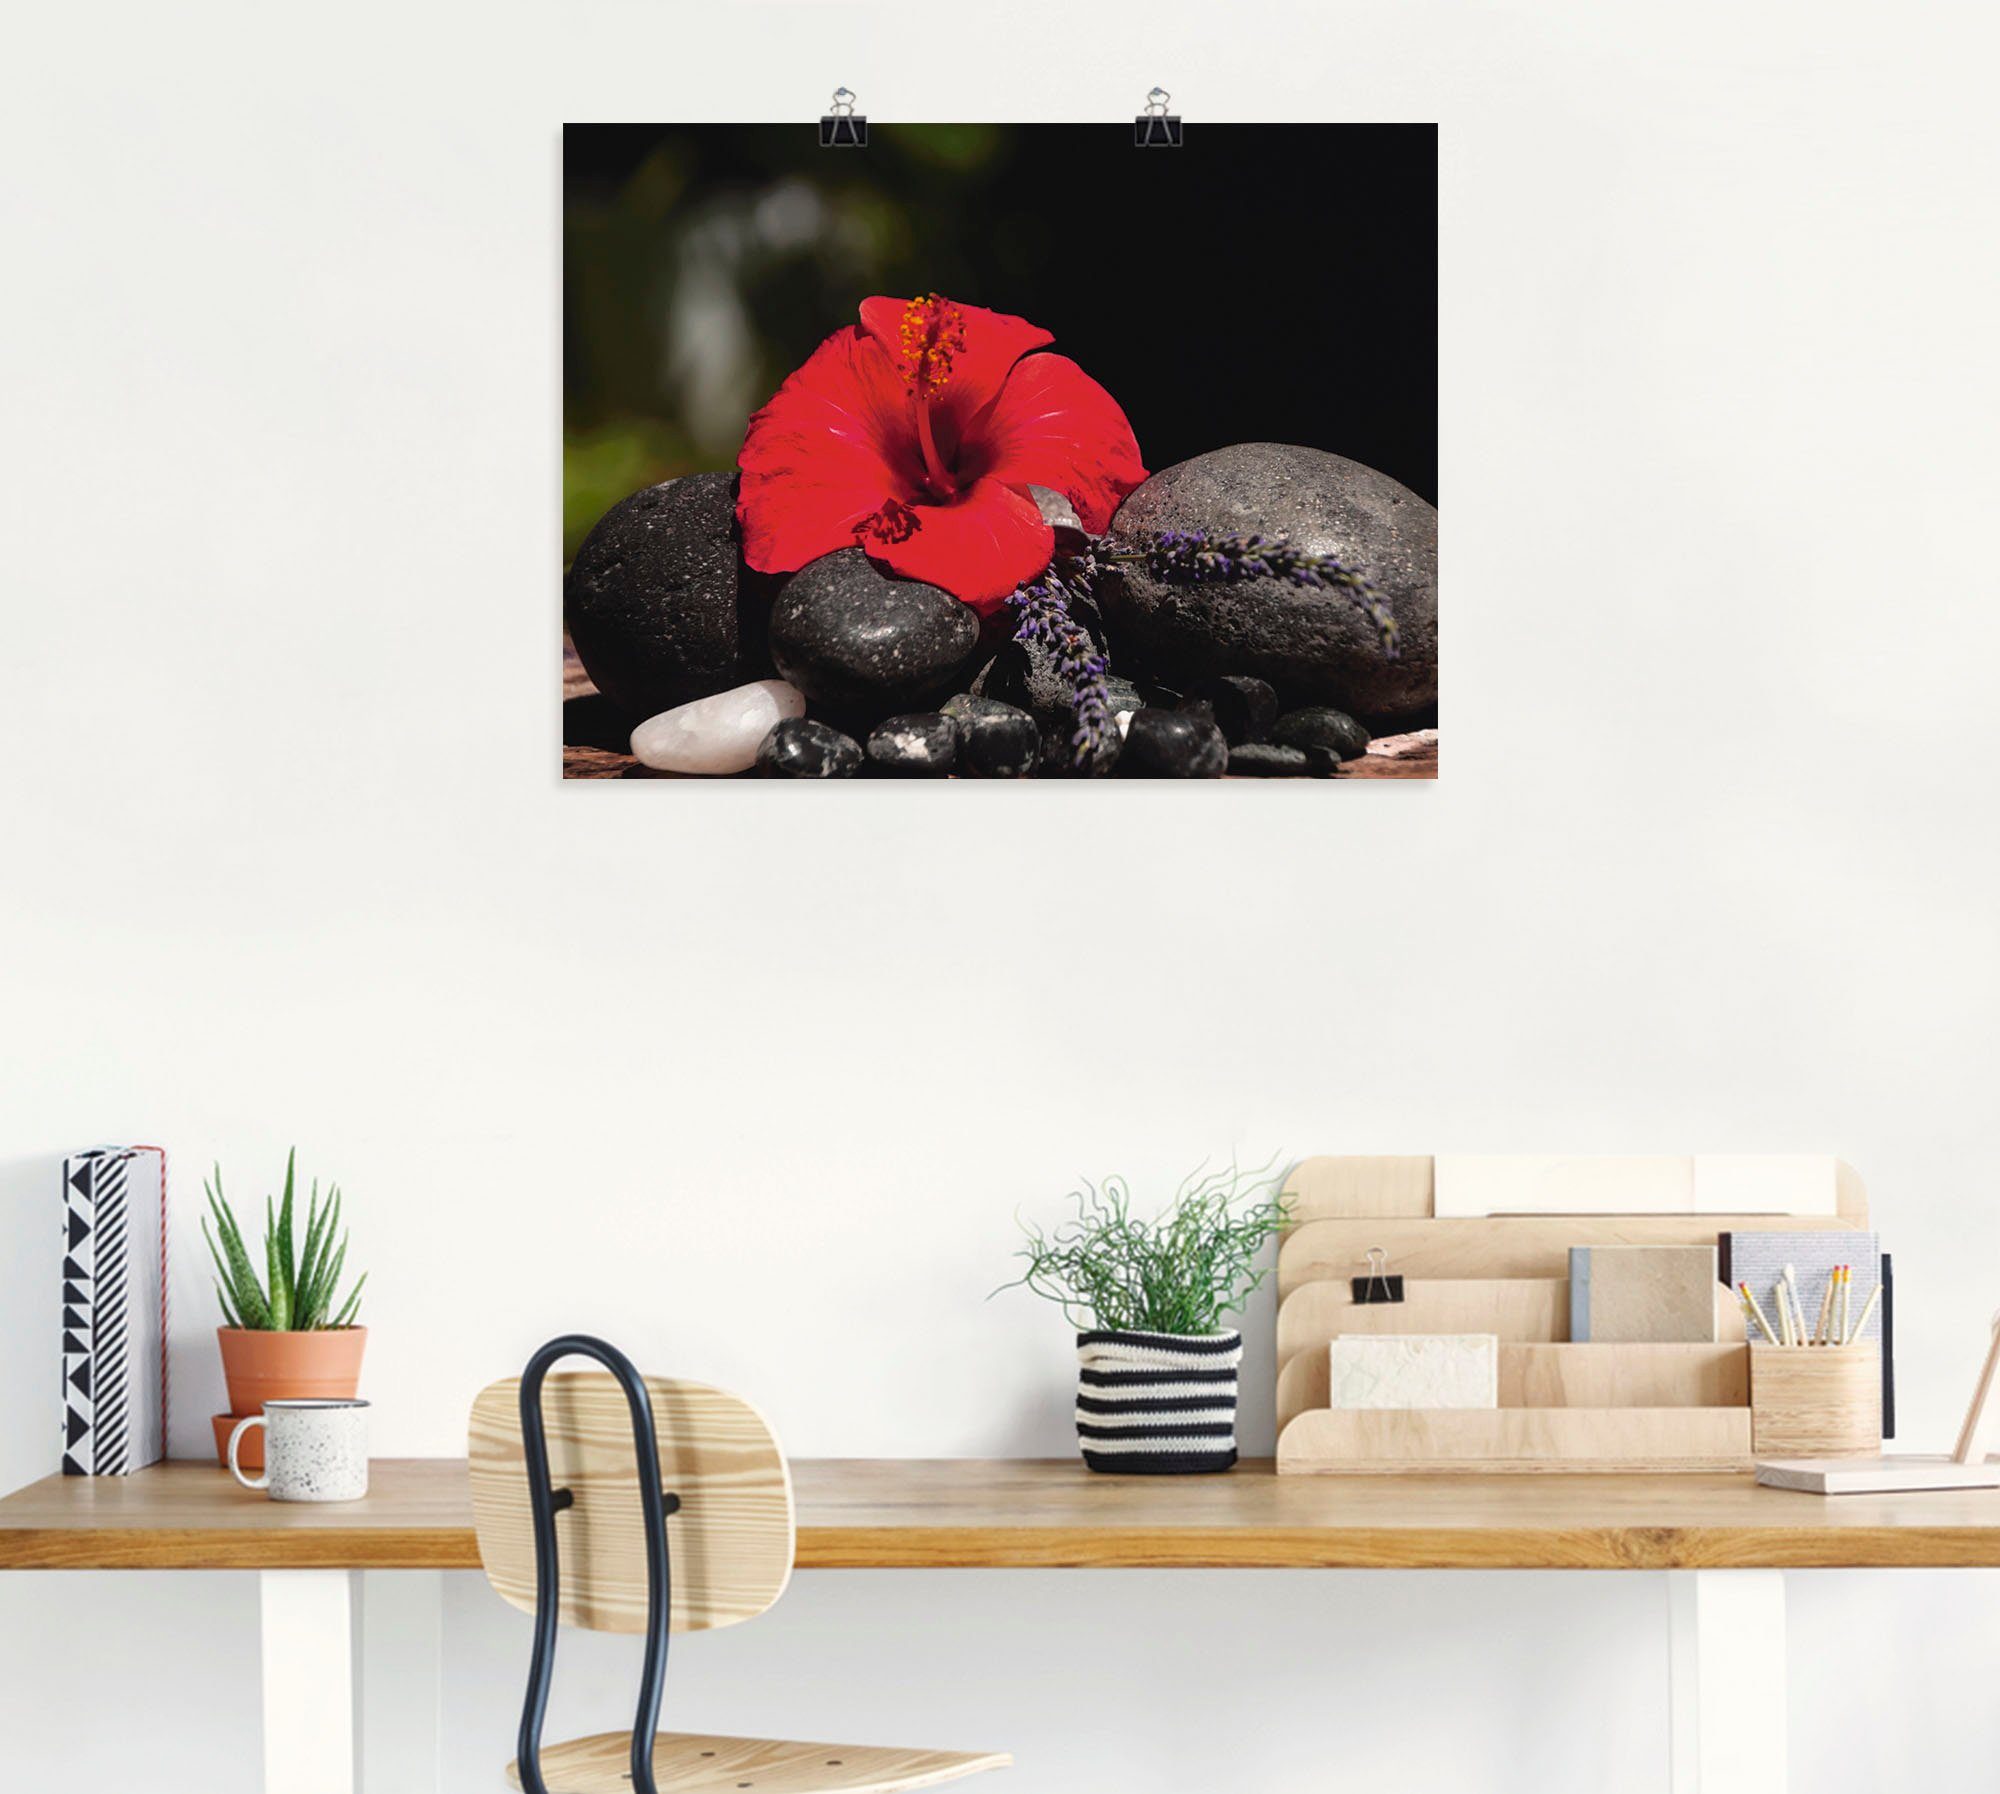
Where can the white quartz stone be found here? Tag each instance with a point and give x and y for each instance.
(719, 734)
(1415, 1370)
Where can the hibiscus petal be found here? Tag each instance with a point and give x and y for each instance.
(994, 341)
(826, 452)
(978, 548)
(1054, 426)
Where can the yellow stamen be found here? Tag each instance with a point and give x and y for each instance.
(931, 334)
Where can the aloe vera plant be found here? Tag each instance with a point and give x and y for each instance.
(300, 1286)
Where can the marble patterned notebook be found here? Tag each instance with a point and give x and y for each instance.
(1633, 1294)
(1414, 1370)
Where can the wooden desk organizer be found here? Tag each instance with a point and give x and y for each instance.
(1816, 1401)
(1564, 1406)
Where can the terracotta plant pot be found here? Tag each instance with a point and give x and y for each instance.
(264, 1367)
(250, 1454)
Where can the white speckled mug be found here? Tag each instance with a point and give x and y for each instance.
(313, 1450)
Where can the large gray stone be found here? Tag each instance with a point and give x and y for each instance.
(864, 645)
(1314, 646)
(659, 603)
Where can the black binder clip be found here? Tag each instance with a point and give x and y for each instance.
(843, 127)
(1378, 1285)
(1156, 127)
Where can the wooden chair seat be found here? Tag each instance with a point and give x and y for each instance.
(687, 1763)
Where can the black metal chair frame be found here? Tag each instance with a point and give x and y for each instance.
(655, 1504)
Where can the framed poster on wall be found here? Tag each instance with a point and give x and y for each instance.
(993, 451)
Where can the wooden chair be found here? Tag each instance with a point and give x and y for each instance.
(571, 1532)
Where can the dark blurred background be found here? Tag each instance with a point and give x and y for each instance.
(1262, 283)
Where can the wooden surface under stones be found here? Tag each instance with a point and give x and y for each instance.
(1409, 756)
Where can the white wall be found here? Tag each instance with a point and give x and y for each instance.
(753, 1077)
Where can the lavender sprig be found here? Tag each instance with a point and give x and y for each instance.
(1198, 557)
(1041, 610)
(1042, 613)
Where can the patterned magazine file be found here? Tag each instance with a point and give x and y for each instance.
(114, 1310)
(1758, 1258)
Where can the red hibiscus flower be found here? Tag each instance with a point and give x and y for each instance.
(916, 437)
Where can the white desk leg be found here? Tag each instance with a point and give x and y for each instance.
(1727, 1630)
(400, 1667)
(308, 1646)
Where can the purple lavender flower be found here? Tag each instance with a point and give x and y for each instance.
(1042, 606)
(1041, 610)
(1198, 557)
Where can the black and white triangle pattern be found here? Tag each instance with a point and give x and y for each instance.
(105, 1369)
(79, 1312)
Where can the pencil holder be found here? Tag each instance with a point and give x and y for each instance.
(1816, 1401)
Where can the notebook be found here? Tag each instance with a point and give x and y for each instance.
(1758, 1259)
(114, 1394)
(1626, 1294)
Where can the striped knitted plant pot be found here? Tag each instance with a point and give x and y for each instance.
(1157, 1404)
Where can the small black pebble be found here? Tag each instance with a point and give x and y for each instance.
(1261, 760)
(799, 748)
(1242, 708)
(963, 706)
(998, 743)
(1320, 727)
(1059, 754)
(1172, 744)
(924, 745)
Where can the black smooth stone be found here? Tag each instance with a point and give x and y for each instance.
(800, 748)
(1265, 760)
(864, 645)
(1326, 736)
(1243, 708)
(1314, 646)
(998, 743)
(963, 706)
(659, 603)
(1060, 758)
(924, 745)
(1172, 744)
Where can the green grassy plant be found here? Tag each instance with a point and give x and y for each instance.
(1180, 1272)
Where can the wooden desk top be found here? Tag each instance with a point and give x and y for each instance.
(888, 1513)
